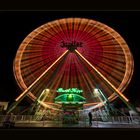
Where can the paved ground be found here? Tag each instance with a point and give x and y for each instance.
(95, 124)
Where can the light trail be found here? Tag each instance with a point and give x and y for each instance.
(48, 106)
(113, 87)
(96, 106)
(90, 104)
(19, 98)
(41, 76)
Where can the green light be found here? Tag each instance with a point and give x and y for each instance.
(70, 90)
(70, 97)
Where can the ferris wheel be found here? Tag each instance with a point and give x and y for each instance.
(73, 52)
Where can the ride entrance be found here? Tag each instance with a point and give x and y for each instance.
(73, 53)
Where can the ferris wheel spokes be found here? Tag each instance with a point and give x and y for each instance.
(22, 95)
(117, 92)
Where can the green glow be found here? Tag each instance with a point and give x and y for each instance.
(70, 97)
(67, 98)
(70, 90)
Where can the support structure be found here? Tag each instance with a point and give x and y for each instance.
(117, 92)
(21, 97)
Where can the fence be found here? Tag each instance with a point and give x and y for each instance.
(38, 121)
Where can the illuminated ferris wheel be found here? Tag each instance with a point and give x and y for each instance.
(73, 53)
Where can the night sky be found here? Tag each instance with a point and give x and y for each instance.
(16, 25)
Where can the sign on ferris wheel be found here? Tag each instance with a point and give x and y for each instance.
(70, 90)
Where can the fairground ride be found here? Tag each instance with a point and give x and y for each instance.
(73, 53)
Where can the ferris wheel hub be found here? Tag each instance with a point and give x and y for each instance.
(71, 46)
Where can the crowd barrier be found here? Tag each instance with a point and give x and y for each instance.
(28, 120)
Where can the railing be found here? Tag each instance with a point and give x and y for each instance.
(38, 121)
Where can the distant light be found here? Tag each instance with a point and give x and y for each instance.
(47, 90)
(96, 91)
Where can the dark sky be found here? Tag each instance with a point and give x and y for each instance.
(16, 25)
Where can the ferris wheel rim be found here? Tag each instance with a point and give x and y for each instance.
(34, 33)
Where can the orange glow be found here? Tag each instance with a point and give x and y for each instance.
(54, 104)
(40, 76)
(117, 91)
(89, 104)
(47, 106)
(102, 46)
